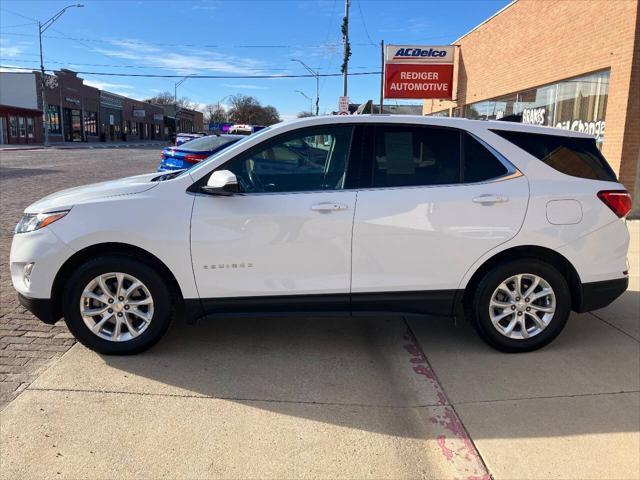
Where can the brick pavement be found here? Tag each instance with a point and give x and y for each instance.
(28, 346)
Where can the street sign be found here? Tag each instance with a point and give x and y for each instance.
(343, 106)
(413, 71)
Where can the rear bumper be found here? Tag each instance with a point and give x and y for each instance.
(43, 308)
(597, 295)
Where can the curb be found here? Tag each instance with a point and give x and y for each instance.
(88, 147)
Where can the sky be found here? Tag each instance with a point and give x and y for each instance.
(230, 38)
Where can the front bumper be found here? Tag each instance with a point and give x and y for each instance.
(597, 295)
(43, 308)
(47, 252)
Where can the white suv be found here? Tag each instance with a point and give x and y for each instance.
(512, 226)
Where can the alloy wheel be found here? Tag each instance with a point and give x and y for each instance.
(522, 306)
(116, 306)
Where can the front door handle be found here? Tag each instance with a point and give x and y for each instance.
(489, 199)
(329, 207)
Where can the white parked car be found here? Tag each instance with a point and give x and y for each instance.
(512, 226)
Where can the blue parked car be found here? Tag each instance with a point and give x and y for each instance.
(194, 151)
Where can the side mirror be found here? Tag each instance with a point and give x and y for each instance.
(221, 182)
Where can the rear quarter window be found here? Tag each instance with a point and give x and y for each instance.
(578, 157)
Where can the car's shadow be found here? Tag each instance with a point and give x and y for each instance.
(354, 372)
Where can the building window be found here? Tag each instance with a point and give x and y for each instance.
(30, 131)
(577, 104)
(127, 127)
(156, 129)
(22, 127)
(134, 128)
(13, 127)
(54, 119)
(91, 123)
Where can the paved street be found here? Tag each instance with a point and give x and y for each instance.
(28, 346)
(307, 397)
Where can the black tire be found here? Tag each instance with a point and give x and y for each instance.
(481, 298)
(160, 292)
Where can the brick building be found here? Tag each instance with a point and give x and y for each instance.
(72, 107)
(20, 114)
(572, 65)
(79, 112)
(143, 121)
(182, 120)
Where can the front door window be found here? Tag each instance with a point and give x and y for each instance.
(312, 160)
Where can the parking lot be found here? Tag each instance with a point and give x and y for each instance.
(306, 397)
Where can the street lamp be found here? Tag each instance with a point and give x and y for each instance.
(315, 74)
(308, 98)
(175, 98)
(42, 27)
(175, 88)
(224, 98)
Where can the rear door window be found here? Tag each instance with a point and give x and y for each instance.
(578, 157)
(480, 164)
(415, 155)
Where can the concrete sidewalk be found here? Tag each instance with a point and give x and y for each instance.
(263, 398)
(340, 398)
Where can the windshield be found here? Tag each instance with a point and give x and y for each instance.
(207, 144)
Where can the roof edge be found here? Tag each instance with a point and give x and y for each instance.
(485, 21)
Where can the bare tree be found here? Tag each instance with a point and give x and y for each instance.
(215, 113)
(246, 109)
(166, 98)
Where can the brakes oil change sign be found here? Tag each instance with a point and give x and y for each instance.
(422, 72)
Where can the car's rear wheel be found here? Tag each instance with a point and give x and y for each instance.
(117, 305)
(521, 305)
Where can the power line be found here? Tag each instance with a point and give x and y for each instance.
(147, 75)
(19, 25)
(364, 24)
(151, 67)
(18, 14)
(190, 45)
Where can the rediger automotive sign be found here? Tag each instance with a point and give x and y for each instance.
(418, 72)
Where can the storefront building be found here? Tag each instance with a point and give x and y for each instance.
(20, 117)
(570, 65)
(111, 116)
(179, 119)
(72, 107)
(143, 121)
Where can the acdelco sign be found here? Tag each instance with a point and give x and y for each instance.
(418, 54)
(421, 72)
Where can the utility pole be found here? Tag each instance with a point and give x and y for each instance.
(381, 75)
(317, 75)
(346, 46)
(42, 27)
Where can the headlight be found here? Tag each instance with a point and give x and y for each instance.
(35, 221)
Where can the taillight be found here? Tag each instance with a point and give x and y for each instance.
(194, 158)
(619, 201)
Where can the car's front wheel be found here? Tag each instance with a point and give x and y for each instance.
(117, 305)
(521, 305)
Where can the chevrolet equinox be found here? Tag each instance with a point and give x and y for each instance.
(508, 225)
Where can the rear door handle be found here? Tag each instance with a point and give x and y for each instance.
(329, 207)
(489, 199)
